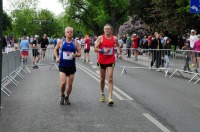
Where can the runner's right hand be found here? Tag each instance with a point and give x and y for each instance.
(57, 60)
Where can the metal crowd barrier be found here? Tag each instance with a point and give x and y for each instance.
(11, 67)
(185, 62)
(144, 59)
(177, 61)
(47, 59)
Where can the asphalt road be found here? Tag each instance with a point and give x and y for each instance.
(145, 101)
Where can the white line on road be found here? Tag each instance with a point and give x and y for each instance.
(98, 72)
(93, 66)
(158, 124)
(127, 96)
(116, 94)
(115, 87)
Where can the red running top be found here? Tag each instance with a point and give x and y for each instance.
(107, 58)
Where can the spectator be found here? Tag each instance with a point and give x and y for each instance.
(187, 55)
(24, 48)
(87, 49)
(167, 51)
(4, 44)
(135, 45)
(128, 45)
(156, 55)
(196, 48)
(193, 38)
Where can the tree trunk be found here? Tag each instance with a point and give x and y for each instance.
(113, 21)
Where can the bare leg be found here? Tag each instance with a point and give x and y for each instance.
(70, 82)
(110, 81)
(63, 80)
(102, 79)
(88, 56)
(84, 56)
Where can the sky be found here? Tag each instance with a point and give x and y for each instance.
(52, 5)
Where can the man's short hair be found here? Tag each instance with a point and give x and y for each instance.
(68, 27)
(108, 25)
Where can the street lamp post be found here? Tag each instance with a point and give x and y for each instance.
(1, 32)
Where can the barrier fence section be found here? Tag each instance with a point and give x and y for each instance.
(186, 61)
(38, 57)
(11, 67)
(165, 60)
(147, 59)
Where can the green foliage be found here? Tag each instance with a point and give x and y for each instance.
(93, 14)
(7, 24)
(89, 16)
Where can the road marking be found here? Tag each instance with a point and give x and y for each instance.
(115, 87)
(158, 124)
(93, 66)
(98, 72)
(195, 105)
(126, 95)
(91, 63)
(116, 94)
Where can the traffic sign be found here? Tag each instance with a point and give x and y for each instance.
(194, 6)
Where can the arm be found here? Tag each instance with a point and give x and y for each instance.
(46, 45)
(78, 49)
(97, 44)
(56, 49)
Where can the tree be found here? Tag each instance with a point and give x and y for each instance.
(46, 22)
(22, 22)
(7, 24)
(94, 14)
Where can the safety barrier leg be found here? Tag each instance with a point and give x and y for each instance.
(193, 77)
(2, 89)
(176, 70)
(197, 81)
(10, 78)
(53, 65)
(19, 74)
(6, 89)
(27, 69)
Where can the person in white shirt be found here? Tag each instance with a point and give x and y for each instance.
(193, 38)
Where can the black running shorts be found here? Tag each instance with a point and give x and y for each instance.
(67, 70)
(35, 52)
(86, 51)
(104, 66)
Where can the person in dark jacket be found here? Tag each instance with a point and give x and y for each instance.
(4, 43)
(156, 53)
(44, 43)
(128, 45)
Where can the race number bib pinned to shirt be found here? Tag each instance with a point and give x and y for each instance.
(110, 52)
(67, 55)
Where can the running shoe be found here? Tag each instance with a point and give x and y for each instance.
(102, 98)
(110, 101)
(62, 99)
(67, 100)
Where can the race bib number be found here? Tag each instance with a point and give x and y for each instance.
(67, 55)
(110, 52)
